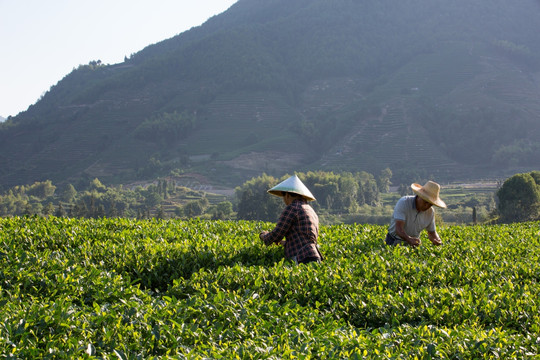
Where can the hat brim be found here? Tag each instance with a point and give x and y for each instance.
(280, 194)
(419, 190)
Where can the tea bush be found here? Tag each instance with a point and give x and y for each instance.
(129, 289)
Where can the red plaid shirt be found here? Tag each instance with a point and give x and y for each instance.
(299, 224)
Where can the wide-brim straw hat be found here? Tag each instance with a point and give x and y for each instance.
(429, 192)
(292, 185)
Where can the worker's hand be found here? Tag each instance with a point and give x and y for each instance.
(414, 242)
(262, 234)
(436, 241)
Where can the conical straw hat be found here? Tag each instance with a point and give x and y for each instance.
(429, 192)
(292, 185)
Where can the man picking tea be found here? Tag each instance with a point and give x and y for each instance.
(414, 213)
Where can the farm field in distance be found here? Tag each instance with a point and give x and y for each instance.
(193, 289)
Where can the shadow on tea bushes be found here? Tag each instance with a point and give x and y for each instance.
(158, 270)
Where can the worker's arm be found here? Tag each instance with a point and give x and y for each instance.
(434, 238)
(400, 231)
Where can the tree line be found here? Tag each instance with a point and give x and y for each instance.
(161, 199)
(337, 194)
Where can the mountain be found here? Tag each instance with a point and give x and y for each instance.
(429, 88)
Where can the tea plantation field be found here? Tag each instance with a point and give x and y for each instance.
(128, 289)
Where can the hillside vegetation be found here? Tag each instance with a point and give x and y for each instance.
(426, 88)
(127, 289)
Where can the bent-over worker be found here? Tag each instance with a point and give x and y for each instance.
(298, 223)
(414, 213)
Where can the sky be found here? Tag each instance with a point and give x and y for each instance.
(41, 41)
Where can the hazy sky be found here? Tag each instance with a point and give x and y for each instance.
(41, 41)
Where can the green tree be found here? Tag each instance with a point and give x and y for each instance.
(179, 211)
(193, 208)
(254, 201)
(326, 187)
(27, 209)
(326, 193)
(536, 176)
(96, 185)
(113, 211)
(369, 191)
(383, 182)
(41, 190)
(69, 193)
(223, 210)
(404, 189)
(100, 211)
(60, 212)
(79, 210)
(48, 209)
(152, 196)
(348, 188)
(37, 208)
(160, 214)
(519, 198)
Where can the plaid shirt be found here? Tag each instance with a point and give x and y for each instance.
(299, 224)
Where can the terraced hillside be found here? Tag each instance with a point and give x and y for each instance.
(424, 87)
(396, 137)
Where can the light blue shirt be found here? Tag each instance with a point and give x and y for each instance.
(415, 221)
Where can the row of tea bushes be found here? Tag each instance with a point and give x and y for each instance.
(127, 289)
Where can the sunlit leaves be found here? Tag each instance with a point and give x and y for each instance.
(126, 289)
